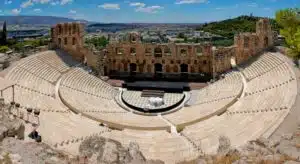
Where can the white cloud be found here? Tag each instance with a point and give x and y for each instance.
(37, 10)
(16, 11)
(72, 12)
(252, 4)
(110, 6)
(141, 7)
(179, 2)
(149, 9)
(27, 4)
(41, 1)
(63, 2)
(7, 2)
(137, 4)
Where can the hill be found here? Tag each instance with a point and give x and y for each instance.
(228, 28)
(36, 20)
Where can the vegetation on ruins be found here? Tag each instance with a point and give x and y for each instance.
(289, 22)
(228, 28)
(20, 45)
(98, 42)
(3, 49)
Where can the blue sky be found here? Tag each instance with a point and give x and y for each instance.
(158, 11)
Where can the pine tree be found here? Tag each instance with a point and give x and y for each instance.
(4, 33)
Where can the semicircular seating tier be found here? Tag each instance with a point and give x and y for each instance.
(270, 96)
(35, 80)
(95, 99)
(209, 101)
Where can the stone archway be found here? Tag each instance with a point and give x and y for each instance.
(158, 68)
(157, 52)
(184, 68)
(132, 69)
(266, 42)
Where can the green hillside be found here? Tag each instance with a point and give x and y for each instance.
(228, 28)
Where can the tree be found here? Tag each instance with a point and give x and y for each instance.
(289, 22)
(4, 33)
(181, 35)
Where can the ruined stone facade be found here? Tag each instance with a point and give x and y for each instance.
(131, 57)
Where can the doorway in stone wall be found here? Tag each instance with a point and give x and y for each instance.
(184, 71)
(133, 69)
(158, 71)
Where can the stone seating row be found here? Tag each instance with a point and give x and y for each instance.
(108, 111)
(162, 145)
(197, 113)
(58, 60)
(26, 79)
(239, 128)
(87, 102)
(30, 99)
(40, 69)
(282, 74)
(282, 96)
(59, 129)
(263, 64)
(79, 80)
(230, 86)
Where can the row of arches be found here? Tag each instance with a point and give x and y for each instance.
(256, 41)
(65, 41)
(158, 52)
(156, 68)
(67, 29)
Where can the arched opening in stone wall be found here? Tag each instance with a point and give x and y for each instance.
(133, 51)
(70, 29)
(246, 41)
(73, 41)
(184, 71)
(199, 51)
(183, 52)
(256, 41)
(157, 52)
(266, 42)
(65, 29)
(158, 68)
(59, 42)
(65, 41)
(119, 50)
(105, 71)
(184, 68)
(167, 51)
(132, 69)
(73, 28)
(59, 30)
